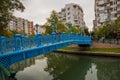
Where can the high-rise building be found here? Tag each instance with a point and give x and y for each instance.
(22, 26)
(30, 28)
(106, 11)
(26, 27)
(72, 13)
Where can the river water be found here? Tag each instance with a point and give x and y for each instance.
(59, 66)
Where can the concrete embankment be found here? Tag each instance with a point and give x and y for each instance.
(95, 45)
(111, 54)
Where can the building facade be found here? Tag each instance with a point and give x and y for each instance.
(72, 13)
(106, 11)
(22, 26)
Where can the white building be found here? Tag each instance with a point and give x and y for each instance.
(72, 13)
(26, 26)
(106, 11)
(12, 25)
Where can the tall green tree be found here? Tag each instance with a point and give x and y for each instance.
(116, 28)
(7, 7)
(59, 26)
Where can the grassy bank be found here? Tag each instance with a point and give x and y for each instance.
(113, 50)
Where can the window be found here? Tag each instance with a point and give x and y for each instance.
(68, 13)
(111, 3)
(113, 15)
(68, 18)
(68, 9)
(115, 2)
(74, 6)
(115, 9)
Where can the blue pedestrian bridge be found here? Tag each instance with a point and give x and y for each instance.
(20, 47)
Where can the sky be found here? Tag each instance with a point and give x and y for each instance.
(38, 10)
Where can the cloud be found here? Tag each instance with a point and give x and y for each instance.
(39, 10)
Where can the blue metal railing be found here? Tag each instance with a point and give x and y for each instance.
(19, 42)
(19, 47)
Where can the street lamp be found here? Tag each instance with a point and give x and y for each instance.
(56, 28)
(37, 25)
(70, 27)
(81, 30)
(53, 23)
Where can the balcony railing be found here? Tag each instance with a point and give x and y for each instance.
(102, 2)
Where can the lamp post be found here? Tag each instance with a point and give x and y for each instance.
(36, 28)
(81, 30)
(70, 27)
(53, 23)
(56, 29)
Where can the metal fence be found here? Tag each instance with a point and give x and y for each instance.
(20, 42)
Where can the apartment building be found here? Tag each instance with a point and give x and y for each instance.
(22, 26)
(72, 13)
(106, 11)
(31, 28)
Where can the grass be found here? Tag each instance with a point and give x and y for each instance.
(114, 50)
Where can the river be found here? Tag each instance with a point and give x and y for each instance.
(59, 66)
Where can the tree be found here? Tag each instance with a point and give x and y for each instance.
(109, 30)
(59, 26)
(117, 27)
(7, 7)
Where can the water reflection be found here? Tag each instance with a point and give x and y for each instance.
(91, 73)
(31, 69)
(21, 65)
(67, 67)
(56, 66)
(107, 68)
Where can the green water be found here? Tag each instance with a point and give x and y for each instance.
(56, 66)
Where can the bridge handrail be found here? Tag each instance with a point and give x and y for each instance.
(20, 42)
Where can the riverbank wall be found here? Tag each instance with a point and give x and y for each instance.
(105, 54)
(94, 45)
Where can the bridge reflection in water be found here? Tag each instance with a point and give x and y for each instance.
(57, 66)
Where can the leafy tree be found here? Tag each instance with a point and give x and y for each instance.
(7, 7)
(109, 30)
(8, 33)
(116, 28)
(58, 27)
(75, 30)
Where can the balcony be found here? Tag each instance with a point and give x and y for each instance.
(118, 2)
(102, 8)
(64, 19)
(75, 19)
(118, 9)
(102, 2)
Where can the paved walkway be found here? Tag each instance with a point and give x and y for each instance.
(94, 45)
(101, 45)
(104, 45)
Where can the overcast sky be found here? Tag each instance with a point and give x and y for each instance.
(38, 10)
